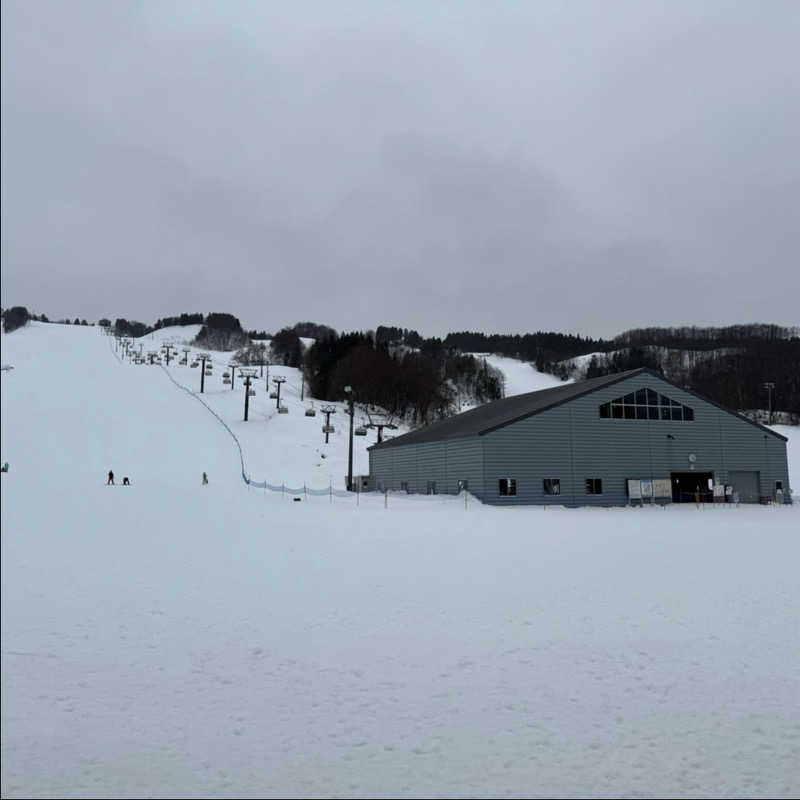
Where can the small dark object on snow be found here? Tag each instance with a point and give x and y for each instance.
(125, 481)
(205, 479)
(297, 499)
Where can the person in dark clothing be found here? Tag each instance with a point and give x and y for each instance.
(125, 481)
(205, 479)
(110, 480)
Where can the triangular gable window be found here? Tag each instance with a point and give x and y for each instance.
(646, 404)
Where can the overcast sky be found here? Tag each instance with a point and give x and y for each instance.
(582, 167)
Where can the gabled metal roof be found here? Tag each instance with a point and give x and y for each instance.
(499, 413)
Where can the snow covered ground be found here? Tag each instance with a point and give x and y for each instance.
(175, 640)
(520, 376)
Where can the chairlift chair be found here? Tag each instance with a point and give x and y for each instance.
(226, 374)
(273, 395)
(328, 429)
(311, 412)
(251, 392)
(226, 381)
(283, 410)
(360, 431)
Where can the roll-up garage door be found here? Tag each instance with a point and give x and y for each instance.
(746, 485)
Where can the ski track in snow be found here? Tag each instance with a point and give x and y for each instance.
(175, 640)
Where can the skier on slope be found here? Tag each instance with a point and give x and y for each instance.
(205, 479)
(110, 481)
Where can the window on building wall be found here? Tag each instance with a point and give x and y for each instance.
(646, 404)
(594, 486)
(432, 487)
(463, 485)
(551, 485)
(404, 486)
(507, 487)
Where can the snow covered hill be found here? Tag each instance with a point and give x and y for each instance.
(171, 639)
(520, 376)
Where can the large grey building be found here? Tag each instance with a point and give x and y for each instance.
(604, 441)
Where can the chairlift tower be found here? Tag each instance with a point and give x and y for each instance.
(186, 351)
(380, 422)
(151, 354)
(278, 380)
(248, 375)
(167, 348)
(233, 365)
(203, 358)
(327, 411)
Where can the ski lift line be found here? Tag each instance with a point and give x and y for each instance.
(245, 477)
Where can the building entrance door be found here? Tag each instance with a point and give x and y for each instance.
(692, 487)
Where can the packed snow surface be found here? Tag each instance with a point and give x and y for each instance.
(176, 640)
(520, 376)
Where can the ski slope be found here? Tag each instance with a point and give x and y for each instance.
(520, 376)
(175, 640)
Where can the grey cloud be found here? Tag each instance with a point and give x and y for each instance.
(584, 167)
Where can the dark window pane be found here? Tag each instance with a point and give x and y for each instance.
(551, 486)
(652, 398)
(665, 401)
(676, 413)
(688, 414)
(641, 412)
(652, 412)
(641, 397)
(629, 399)
(665, 413)
(616, 412)
(630, 412)
(605, 410)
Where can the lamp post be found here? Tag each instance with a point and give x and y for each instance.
(769, 386)
(349, 392)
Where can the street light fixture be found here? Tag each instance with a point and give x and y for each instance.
(769, 386)
(348, 390)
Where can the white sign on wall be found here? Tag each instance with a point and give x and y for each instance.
(635, 489)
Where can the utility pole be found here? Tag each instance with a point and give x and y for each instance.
(247, 375)
(769, 386)
(327, 411)
(203, 358)
(278, 381)
(349, 392)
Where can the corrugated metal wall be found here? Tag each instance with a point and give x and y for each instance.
(572, 443)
